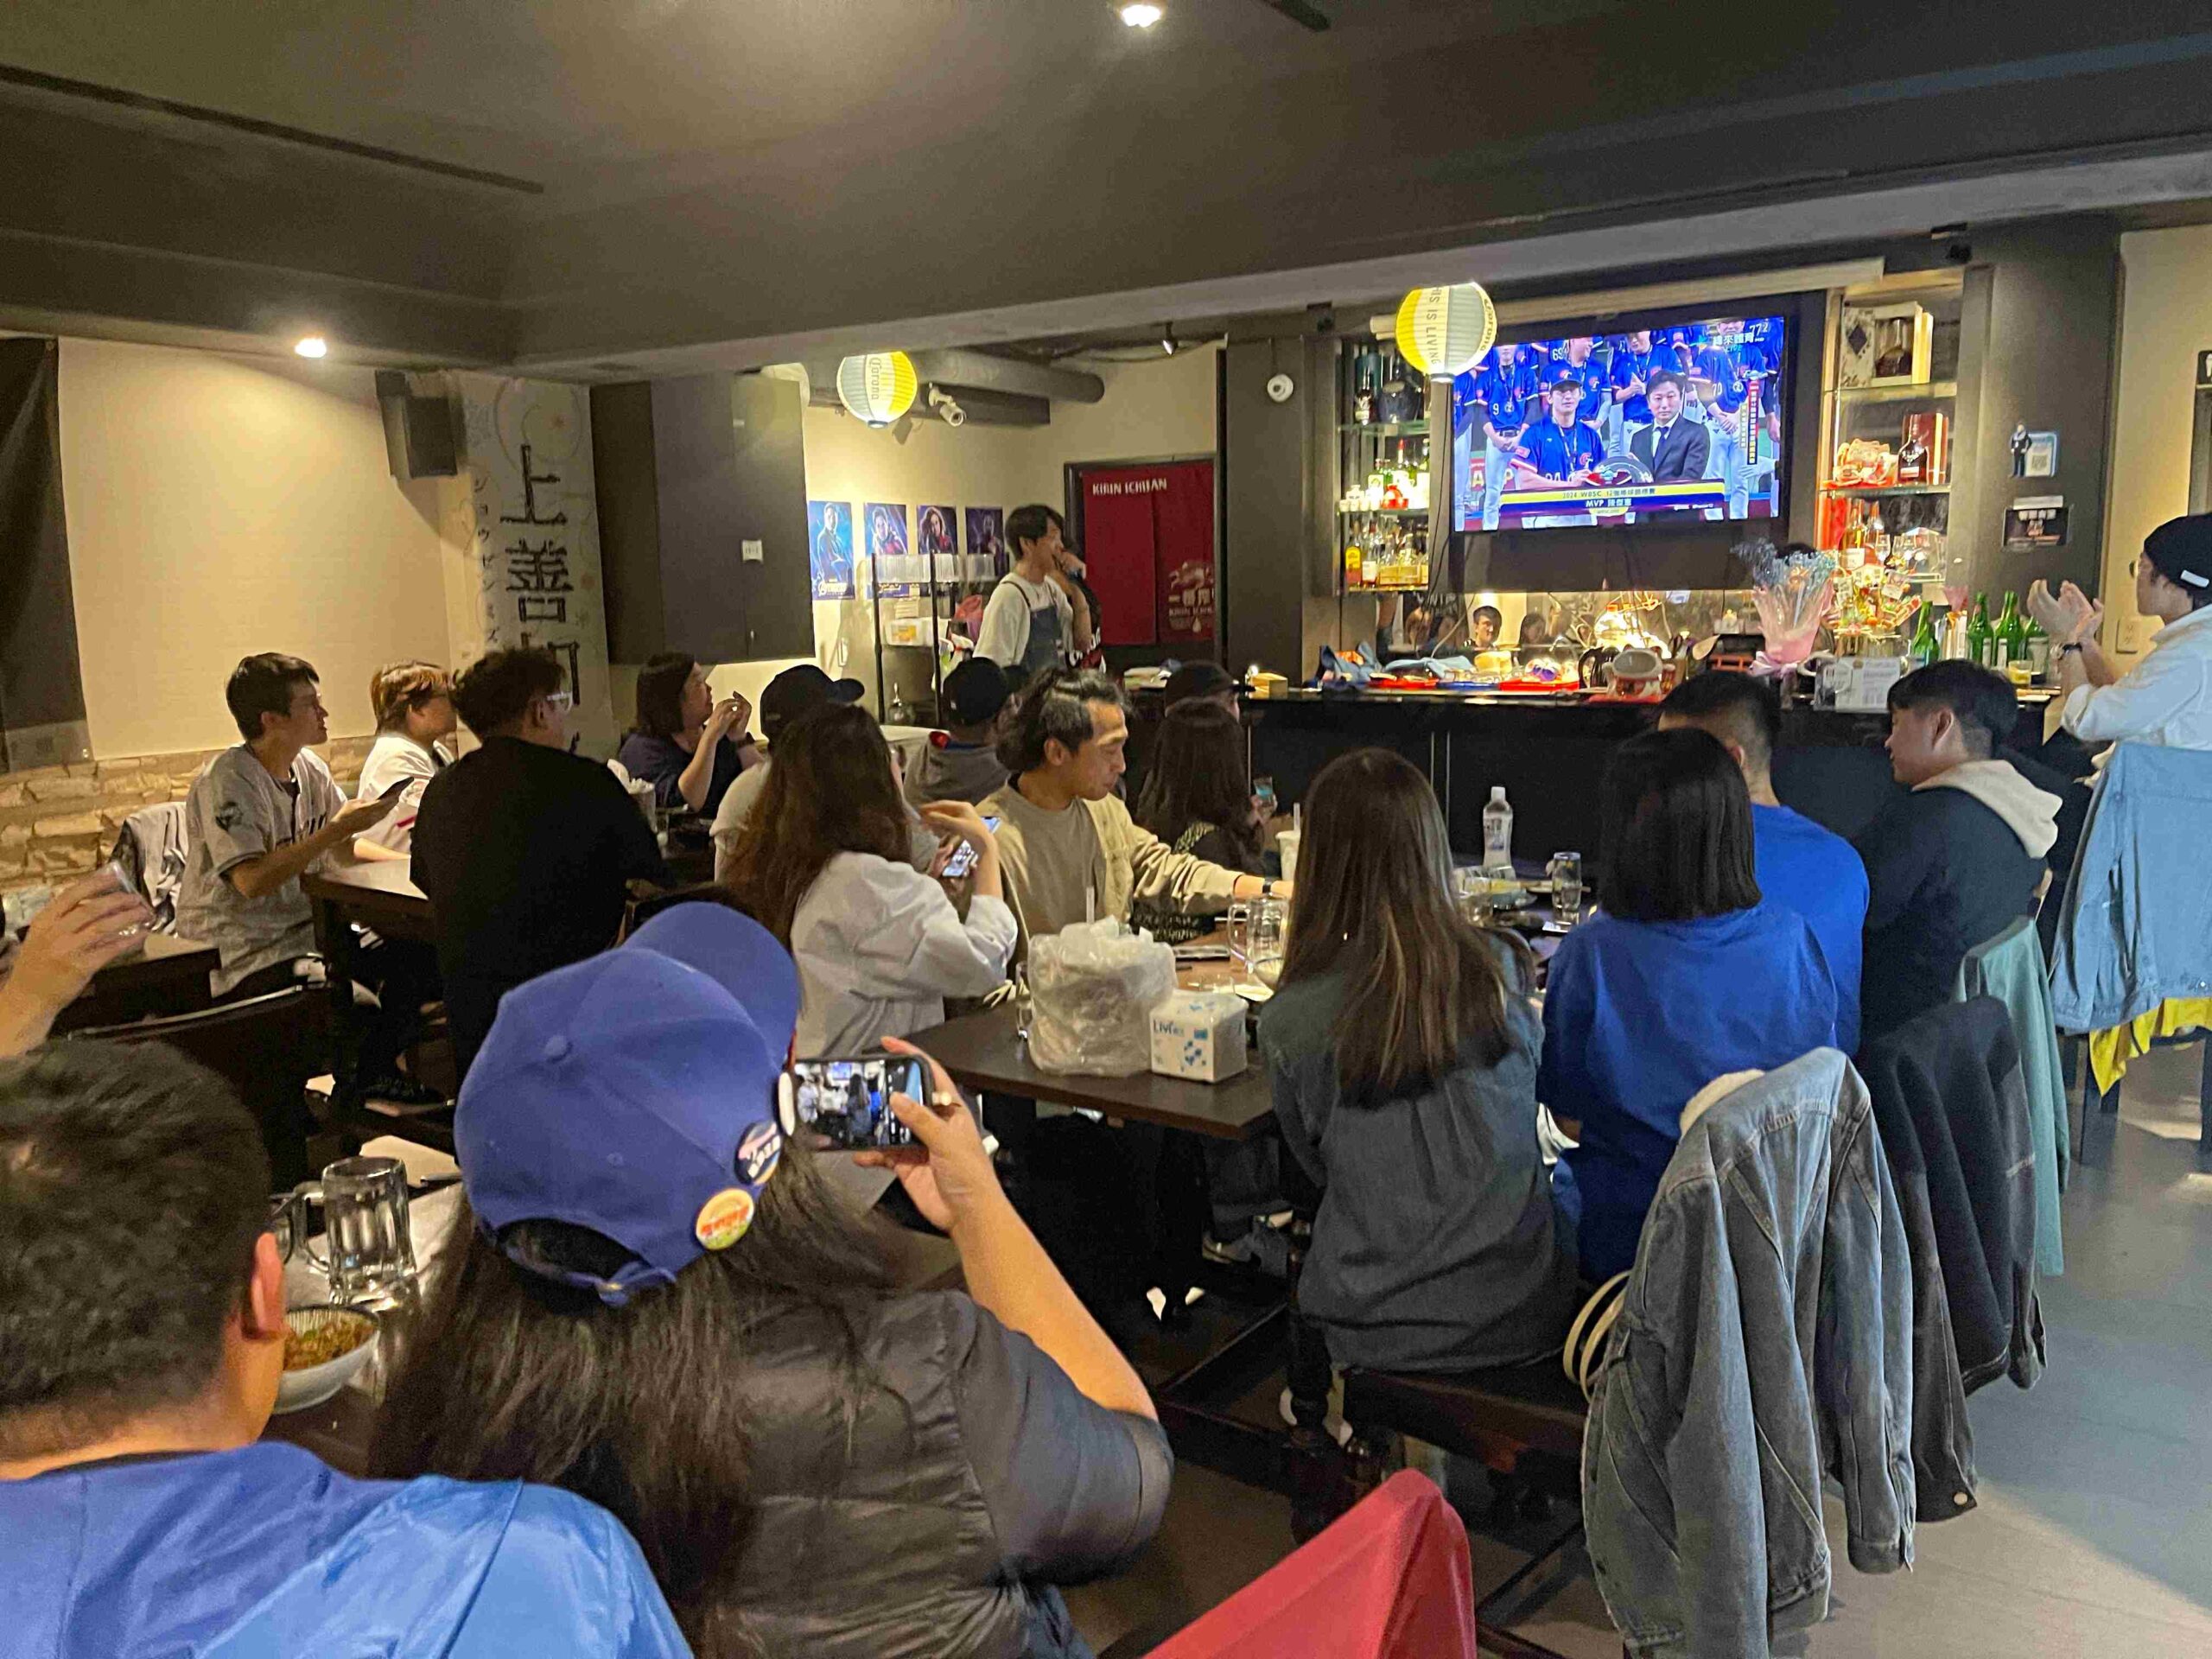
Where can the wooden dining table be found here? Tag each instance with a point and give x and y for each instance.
(1202, 1363)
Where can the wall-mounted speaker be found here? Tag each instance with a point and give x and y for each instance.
(422, 433)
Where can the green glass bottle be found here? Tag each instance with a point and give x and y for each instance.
(1980, 637)
(1923, 647)
(2012, 634)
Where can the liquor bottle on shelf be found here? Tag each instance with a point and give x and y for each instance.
(1912, 459)
(1924, 647)
(1878, 535)
(1366, 371)
(1980, 646)
(1371, 556)
(1853, 543)
(2011, 635)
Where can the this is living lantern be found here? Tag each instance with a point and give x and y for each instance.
(1445, 331)
(878, 387)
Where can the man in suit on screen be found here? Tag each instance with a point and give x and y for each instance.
(1673, 447)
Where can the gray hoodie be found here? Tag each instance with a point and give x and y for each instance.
(949, 770)
(2029, 813)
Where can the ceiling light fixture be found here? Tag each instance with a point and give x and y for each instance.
(312, 346)
(1168, 340)
(1141, 17)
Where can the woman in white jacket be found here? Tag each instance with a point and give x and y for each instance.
(823, 865)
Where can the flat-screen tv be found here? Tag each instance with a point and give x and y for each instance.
(1669, 424)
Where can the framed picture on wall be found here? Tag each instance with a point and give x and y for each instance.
(936, 543)
(986, 555)
(829, 547)
(890, 550)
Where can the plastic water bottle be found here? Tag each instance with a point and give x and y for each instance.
(1497, 834)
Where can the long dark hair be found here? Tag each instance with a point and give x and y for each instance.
(1424, 991)
(830, 790)
(1676, 821)
(1199, 774)
(646, 1410)
(660, 692)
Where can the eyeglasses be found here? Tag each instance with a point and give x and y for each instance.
(559, 702)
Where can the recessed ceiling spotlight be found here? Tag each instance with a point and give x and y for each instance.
(1141, 17)
(312, 346)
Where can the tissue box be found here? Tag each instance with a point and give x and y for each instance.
(1200, 1035)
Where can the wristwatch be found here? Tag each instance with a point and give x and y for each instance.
(1266, 887)
(2072, 648)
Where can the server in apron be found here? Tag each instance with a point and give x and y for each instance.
(1034, 622)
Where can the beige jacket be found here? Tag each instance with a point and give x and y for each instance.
(1049, 859)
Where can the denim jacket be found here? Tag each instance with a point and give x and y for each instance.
(1765, 1337)
(2137, 929)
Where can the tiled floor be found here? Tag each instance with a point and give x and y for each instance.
(2093, 1535)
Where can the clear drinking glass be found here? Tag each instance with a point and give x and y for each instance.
(1470, 892)
(1265, 943)
(368, 1253)
(1240, 934)
(1024, 1002)
(1567, 888)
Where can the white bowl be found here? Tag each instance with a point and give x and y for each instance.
(317, 1383)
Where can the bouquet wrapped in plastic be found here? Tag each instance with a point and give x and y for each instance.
(1792, 592)
(1093, 987)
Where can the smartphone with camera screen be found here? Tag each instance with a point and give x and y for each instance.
(845, 1103)
(963, 861)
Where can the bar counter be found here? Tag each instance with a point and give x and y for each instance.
(1549, 750)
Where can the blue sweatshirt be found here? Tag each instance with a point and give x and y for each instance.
(267, 1553)
(1820, 875)
(1638, 1016)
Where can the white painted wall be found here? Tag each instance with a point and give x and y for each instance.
(2165, 320)
(221, 506)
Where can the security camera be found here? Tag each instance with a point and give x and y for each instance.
(954, 414)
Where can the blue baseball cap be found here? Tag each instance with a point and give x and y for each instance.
(634, 1094)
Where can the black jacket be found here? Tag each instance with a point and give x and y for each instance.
(1952, 1105)
(1943, 873)
(936, 1516)
(1683, 456)
(525, 853)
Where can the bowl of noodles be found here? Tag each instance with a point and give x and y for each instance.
(324, 1347)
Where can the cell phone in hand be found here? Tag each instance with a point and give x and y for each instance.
(844, 1102)
(963, 861)
(393, 788)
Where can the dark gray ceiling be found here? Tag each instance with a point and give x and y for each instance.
(681, 181)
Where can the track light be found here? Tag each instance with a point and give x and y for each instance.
(312, 346)
(1141, 17)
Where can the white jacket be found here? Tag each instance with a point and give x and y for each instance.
(880, 947)
(2166, 698)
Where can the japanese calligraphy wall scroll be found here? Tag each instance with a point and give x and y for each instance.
(536, 528)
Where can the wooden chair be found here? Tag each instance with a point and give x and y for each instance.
(266, 1047)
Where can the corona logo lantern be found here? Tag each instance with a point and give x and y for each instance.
(878, 387)
(1445, 331)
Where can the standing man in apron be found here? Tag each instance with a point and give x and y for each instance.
(1035, 621)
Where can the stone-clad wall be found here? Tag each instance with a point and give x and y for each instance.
(58, 822)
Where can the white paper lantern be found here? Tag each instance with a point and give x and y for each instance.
(878, 387)
(1445, 331)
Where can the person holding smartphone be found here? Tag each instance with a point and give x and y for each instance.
(696, 1336)
(89, 923)
(690, 745)
(822, 864)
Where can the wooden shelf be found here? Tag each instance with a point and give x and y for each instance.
(1382, 512)
(1927, 392)
(1388, 428)
(1885, 489)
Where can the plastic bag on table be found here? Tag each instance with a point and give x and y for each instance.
(1092, 986)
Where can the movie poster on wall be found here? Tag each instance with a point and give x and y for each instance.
(936, 543)
(986, 556)
(829, 547)
(889, 550)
